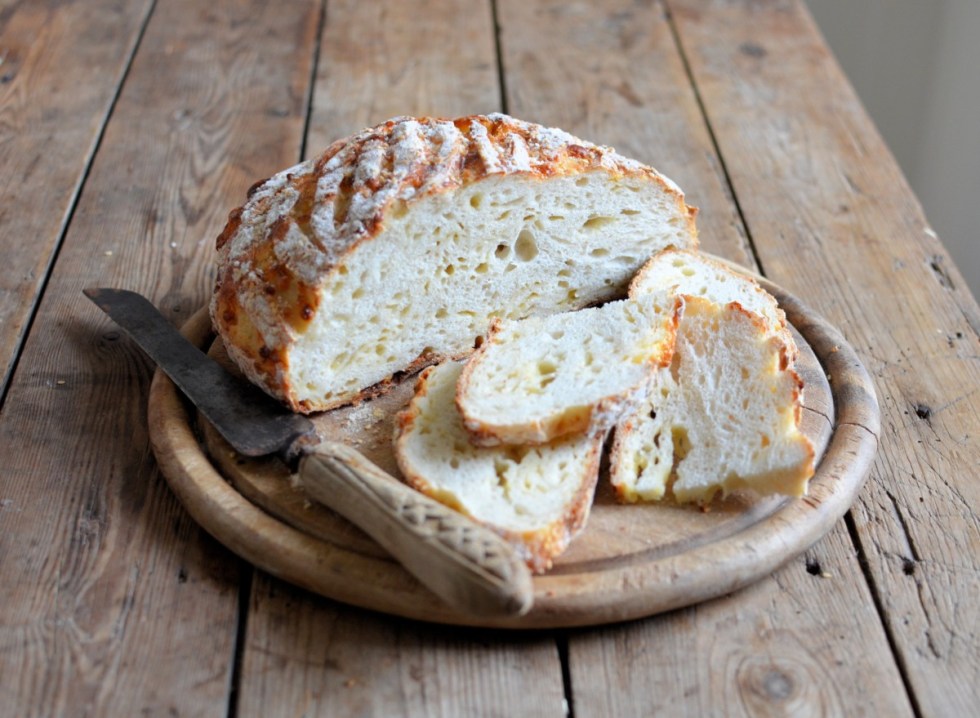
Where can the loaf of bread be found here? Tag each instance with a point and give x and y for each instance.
(726, 414)
(536, 497)
(396, 247)
(540, 378)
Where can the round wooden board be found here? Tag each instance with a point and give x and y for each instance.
(630, 561)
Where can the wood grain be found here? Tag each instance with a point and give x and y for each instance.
(388, 58)
(113, 601)
(60, 66)
(835, 219)
(321, 658)
(752, 654)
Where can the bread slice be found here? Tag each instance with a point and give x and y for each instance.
(726, 414)
(538, 498)
(397, 246)
(537, 379)
(692, 273)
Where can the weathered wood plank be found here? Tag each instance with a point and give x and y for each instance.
(786, 646)
(834, 220)
(302, 654)
(658, 120)
(60, 65)
(384, 59)
(113, 602)
(305, 655)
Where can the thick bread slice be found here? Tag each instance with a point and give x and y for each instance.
(691, 272)
(538, 498)
(725, 415)
(540, 378)
(397, 245)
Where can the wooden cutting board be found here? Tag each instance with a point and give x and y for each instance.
(630, 561)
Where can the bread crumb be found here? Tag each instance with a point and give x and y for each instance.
(350, 683)
(108, 253)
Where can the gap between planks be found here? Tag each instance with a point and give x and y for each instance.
(675, 33)
(875, 591)
(73, 200)
(560, 638)
(860, 552)
(248, 577)
(729, 185)
(498, 51)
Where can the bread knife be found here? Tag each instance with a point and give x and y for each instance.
(465, 564)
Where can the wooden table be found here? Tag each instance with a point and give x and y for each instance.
(127, 132)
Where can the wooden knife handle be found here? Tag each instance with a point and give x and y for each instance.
(468, 566)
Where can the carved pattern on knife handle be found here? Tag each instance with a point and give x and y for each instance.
(465, 564)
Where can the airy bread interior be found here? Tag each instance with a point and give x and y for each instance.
(537, 497)
(692, 273)
(540, 378)
(500, 247)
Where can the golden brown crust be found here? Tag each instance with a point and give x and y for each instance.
(297, 227)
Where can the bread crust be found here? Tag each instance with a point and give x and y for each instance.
(297, 228)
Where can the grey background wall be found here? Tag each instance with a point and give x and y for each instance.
(916, 66)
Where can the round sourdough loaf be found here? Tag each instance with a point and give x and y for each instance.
(396, 247)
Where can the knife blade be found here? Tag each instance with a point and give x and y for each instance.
(250, 420)
(467, 565)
